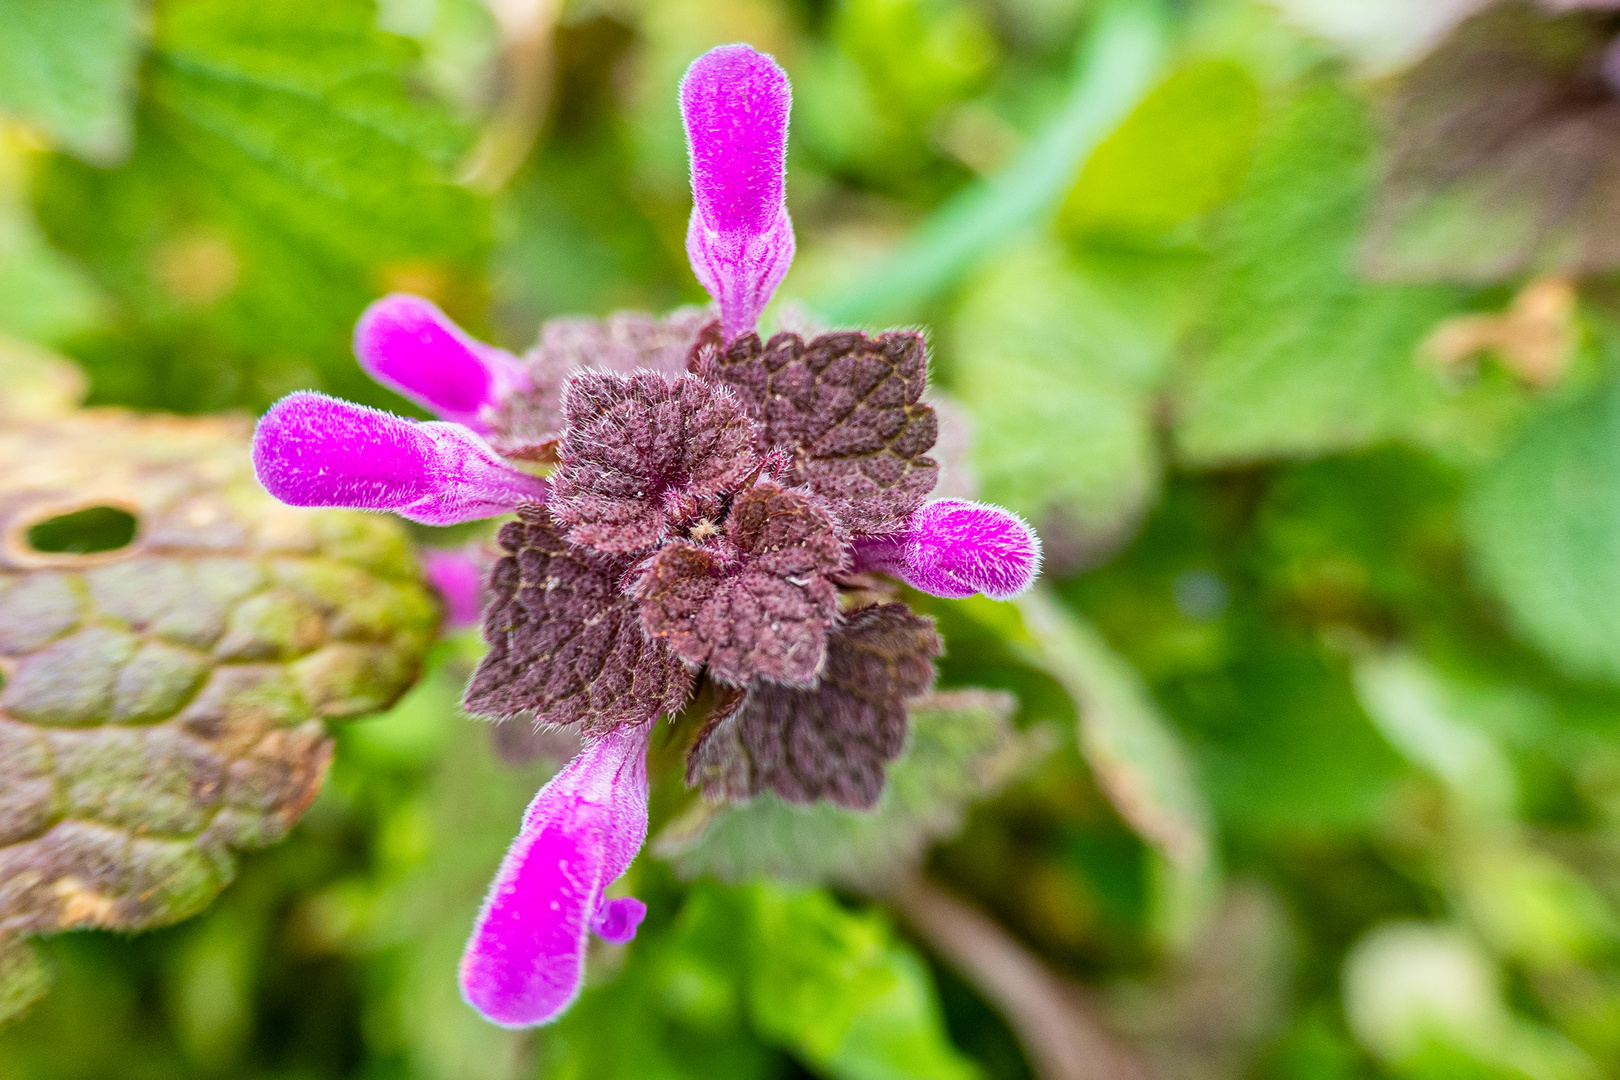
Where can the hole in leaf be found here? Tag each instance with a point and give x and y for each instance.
(84, 532)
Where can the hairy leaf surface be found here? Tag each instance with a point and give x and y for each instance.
(565, 641)
(645, 454)
(849, 410)
(755, 600)
(831, 741)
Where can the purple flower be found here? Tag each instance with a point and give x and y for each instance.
(314, 450)
(955, 549)
(735, 103)
(458, 579)
(410, 346)
(712, 494)
(526, 959)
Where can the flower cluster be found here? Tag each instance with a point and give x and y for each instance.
(714, 503)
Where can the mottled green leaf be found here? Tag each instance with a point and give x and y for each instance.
(1544, 525)
(1180, 153)
(69, 66)
(163, 703)
(1300, 357)
(960, 749)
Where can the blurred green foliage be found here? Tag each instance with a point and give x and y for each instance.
(1329, 637)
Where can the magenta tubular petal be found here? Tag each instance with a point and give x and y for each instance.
(954, 549)
(458, 578)
(410, 346)
(526, 959)
(617, 921)
(735, 104)
(314, 450)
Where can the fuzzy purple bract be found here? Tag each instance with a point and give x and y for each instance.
(735, 104)
(525, 962)
(458, 579)
(957, 549)
(410, 346)
(716, 507)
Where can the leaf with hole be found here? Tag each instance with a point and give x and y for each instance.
(172, 641)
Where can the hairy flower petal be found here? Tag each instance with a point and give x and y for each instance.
(314, 450)
(526, 959)
(410, 346)
(458, 579)
(955, 549)
(735, 104)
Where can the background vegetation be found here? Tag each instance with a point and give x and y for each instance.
(1302, 351)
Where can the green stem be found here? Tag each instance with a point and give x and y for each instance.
(1114, 67)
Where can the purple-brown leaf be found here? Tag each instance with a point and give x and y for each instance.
(624, 342)
(646, 455)
(753, 599)
(832, 741)
(849, 410)
(1504, 154)
(565, 643)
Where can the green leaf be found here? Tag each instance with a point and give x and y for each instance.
(36, 382)
(1301, 357)
(1544, 525)
(69, 66)
(285, 174)
(961, 749)
(1282, 743)
(44, 297)
(1415, 709)
(835, 987)
(301, 112)
(1179, 154)
(1046, 343)
(165, 703)
(23, 977)
(742, 970)
(1113, 66)
(1137, 757)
